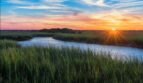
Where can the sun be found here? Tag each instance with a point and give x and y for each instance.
(114, 36)
(114, 32)
(114, 29)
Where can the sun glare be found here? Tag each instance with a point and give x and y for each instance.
(113, 29)
(114, 36)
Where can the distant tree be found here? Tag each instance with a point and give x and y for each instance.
(62, 30)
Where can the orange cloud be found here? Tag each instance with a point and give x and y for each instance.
(102, 21)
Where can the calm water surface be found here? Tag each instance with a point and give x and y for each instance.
(113, 50)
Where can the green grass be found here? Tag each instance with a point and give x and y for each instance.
(126, 38)
(20, 35)
(67, 65)
(8, 44)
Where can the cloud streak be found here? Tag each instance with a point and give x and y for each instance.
(79, 14)
(95, 2)
(81, 21)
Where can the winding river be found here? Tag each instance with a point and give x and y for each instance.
(116, 51)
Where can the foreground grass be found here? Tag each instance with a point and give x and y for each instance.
(53, 65)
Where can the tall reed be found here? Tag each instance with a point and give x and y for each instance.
(66, 65)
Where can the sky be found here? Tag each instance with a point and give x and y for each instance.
(74, 14)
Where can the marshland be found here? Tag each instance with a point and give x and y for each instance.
(49, 64)
(71, 41)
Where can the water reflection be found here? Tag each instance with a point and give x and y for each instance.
(114, 50)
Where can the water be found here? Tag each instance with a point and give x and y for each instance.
(116, 51)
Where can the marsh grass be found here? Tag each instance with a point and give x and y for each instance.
(8, 44)
(128, 38)
(66, 65)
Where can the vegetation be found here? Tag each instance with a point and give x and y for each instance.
(57, 30)
(67, 65)
(20, 35)
(124, 38)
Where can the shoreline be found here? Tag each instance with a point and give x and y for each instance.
(80, 41)
(129, 45)
(73, 39)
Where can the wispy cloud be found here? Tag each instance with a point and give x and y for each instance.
(17, 1)
(53, 1)
(51, 7)
(85, 14)
(41, 7)
(95, 2)
(129, 5)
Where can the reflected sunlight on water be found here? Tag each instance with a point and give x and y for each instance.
(116, 51)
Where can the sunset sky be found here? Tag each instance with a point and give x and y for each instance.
(75, 14)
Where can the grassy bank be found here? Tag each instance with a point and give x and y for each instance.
(123, 38)
(21, 35)
(53, 65)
